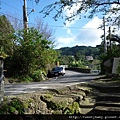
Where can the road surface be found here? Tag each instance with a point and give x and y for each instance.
(70, 78)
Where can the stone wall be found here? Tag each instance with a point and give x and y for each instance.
(82, 70)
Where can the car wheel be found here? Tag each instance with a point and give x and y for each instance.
(63, 74)
(56, 74)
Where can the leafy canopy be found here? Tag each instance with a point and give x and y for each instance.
(82, 7)
(32, 54)
(6, 29)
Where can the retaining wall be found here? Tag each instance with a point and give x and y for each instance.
(82, 70)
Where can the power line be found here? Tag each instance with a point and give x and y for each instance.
(35, 10)
(57, 26)
(69, 27)
(50, 16)
(11, 6)
(17, 2)
(10, 16)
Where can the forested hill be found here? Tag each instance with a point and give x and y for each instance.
(84, 50)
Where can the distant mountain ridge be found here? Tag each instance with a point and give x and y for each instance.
(84, 50)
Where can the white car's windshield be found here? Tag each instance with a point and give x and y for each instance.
(57, 68)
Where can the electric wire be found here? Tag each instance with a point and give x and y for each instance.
(11, 6)
(35, 12)
(48, 16)
(57, 26)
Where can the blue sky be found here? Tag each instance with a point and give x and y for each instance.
(78, 32)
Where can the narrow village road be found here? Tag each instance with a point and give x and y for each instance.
(70, 78)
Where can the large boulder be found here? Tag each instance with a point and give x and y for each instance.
(108, 64)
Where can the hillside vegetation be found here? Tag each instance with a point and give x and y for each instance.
(76, 56)
(84, 50)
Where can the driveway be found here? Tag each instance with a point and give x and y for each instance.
(70, 78)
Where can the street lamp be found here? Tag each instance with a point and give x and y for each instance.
(31, 12)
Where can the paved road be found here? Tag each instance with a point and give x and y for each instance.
(70, 78)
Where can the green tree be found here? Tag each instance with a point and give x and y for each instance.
(66, 59)
(6, 41)
(84, 8)
(31, 55)
(112, 51)
(80, 56)
(63, 59)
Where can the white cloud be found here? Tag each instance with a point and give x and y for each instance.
(65, 41)
(69, 11)
(69, 24)
(94, 23)
(69, 32)
(88, 35)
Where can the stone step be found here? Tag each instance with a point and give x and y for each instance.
(108, 104)
(110, 89)
(86, 108)
(107, 89)
(108, 97)
(103, 110)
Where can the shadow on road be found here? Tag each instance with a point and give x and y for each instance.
(79, 75)
(77, 78)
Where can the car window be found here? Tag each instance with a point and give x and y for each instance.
(53, 69)
(57, 68)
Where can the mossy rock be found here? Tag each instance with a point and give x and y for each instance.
(67, 100)
(53, 91)
(72, 109)
(86, 101)
(81, 92)
(85, 89)
(48, 96)
(64, 91)
(57, 112)
(41, 108)
(56, 102)
(34, 105)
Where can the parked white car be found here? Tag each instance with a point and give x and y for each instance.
(58, 71)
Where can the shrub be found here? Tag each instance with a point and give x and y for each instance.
(38, 75)
(15, 105)
(25, 78)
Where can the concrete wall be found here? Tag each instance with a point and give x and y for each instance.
(79, 70)
(115, 65)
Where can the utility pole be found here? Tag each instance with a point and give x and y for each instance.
(25, 18)
(110, 38)
(105, 44)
